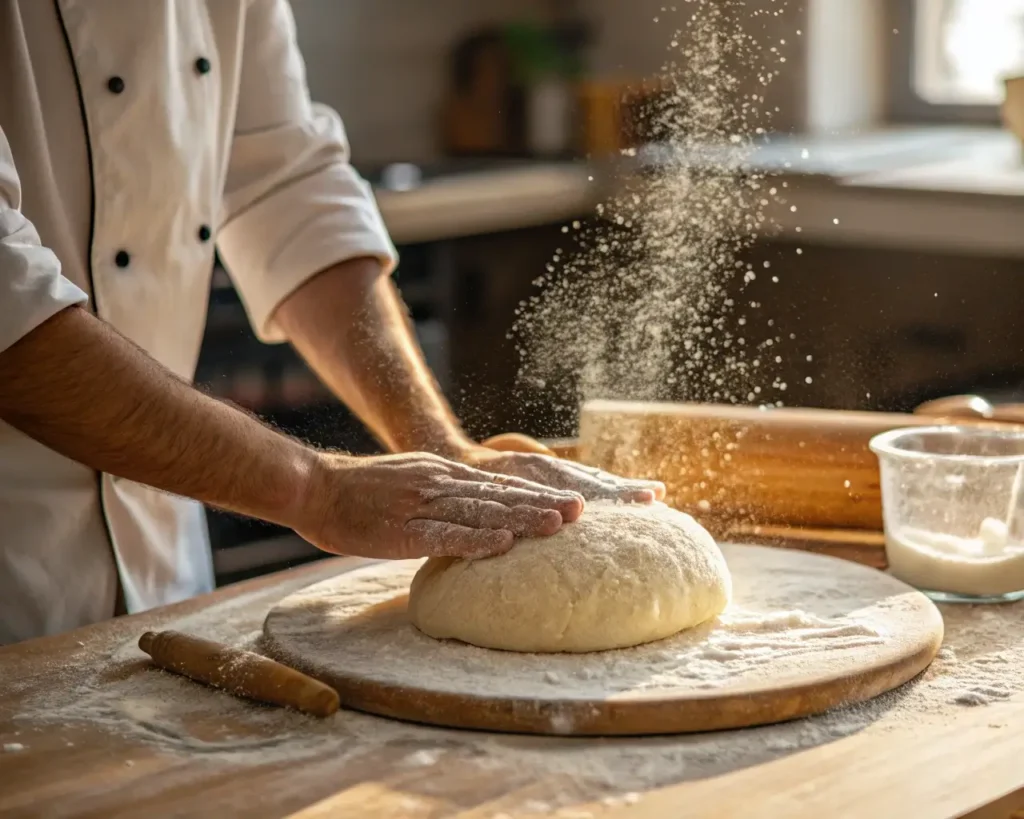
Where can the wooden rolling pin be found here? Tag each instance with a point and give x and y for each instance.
(239, 672)
(734, 465)
(971, 407)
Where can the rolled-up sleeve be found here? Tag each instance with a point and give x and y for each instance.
(32, 288)
(293, 204)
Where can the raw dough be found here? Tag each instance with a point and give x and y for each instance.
(620, 576)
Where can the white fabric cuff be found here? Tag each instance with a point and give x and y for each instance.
(32, 288)
(276, 245)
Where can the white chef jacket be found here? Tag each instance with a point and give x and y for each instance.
(133, 135)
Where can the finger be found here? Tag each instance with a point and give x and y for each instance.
(590, 483)
(438, 538)
(639, 491)
(636, 495)
(629, 493)
(595, 483)
(634, 491)
(554, 473)
(522, 521)
(568, 504)
(468, 473)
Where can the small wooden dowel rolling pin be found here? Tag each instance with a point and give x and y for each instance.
(239, 672)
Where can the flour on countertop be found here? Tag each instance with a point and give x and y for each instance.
(329, 622)
(980, 663)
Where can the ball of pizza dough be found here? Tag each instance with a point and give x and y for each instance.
(621, 575)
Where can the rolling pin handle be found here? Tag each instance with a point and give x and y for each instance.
(239, 672)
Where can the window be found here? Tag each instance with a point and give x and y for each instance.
(964, 49)
(950, 57)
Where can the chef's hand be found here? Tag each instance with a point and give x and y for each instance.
(420, 505)
(523, 457)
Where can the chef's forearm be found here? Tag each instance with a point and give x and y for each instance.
(350, 325)
(80, 388)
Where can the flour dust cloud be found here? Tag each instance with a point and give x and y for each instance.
(638, 306)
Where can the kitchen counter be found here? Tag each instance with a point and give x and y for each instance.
(88, 728)
(465, 200)
(956, 190)
(959, 190)
(936, 190)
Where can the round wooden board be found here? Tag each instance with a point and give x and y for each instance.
(805, 633)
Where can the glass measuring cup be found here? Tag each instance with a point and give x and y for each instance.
(952, 498)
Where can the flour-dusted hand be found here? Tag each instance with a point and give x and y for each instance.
(592, 484)
(420, 505)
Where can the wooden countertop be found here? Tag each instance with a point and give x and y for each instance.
(60, 767)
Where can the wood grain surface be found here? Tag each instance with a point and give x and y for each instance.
(854, 778)
(84, 770)
(856, 545)
(494, 690)
(792, 787)
(731, 465)
(866, 546)
(242, 673)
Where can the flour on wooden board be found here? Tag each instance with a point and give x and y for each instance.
(326, 621)
(980, 664)
(686, 260)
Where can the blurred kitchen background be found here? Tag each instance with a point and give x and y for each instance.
(486, 125)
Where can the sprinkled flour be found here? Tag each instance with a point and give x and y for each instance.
(359, 626)
(982, 663)
(619, 308)
(639, 305)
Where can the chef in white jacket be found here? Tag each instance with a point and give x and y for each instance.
(135, 135)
